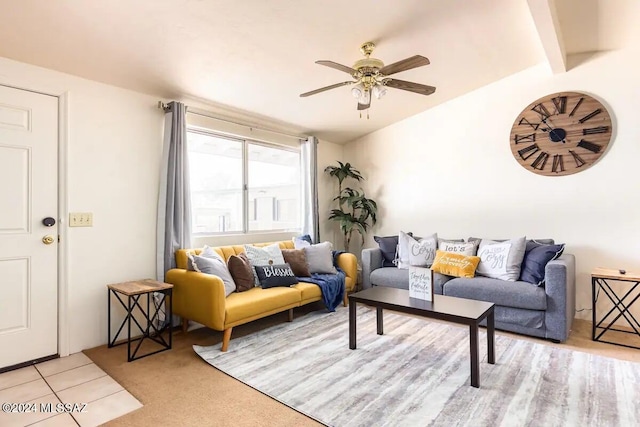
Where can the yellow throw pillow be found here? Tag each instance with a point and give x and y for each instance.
(455, 264)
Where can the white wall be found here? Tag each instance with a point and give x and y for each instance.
(114, 149)
(450, 170)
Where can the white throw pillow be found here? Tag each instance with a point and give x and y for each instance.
(266, 255)
(501, 260)
(462, 248)
(420, 253)
(320, 258)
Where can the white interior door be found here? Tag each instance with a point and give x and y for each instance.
(28, 194)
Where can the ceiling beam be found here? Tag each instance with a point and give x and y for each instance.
(545, 18)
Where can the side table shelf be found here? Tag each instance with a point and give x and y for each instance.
(133, 291)
(600, 285)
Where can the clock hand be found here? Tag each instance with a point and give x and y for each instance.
(552, 131)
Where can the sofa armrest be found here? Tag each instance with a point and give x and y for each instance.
(560, 286)
(197, 296)
(371, 259)
(349, 264)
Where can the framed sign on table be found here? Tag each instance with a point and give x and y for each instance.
(421, 283)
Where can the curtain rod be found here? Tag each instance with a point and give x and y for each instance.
(164, 106)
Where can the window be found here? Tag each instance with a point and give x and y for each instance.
(240, 186)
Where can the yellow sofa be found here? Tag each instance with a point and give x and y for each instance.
(200, 297)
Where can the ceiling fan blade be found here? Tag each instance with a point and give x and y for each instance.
(322, 89)
(337, 66)
(410, 86)
(406, 64)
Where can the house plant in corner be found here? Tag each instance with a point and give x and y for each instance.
(355, 211)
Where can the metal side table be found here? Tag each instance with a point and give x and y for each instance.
(133, 291)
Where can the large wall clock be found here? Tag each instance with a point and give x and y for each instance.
(561, 134)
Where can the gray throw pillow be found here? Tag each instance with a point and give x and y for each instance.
(320, 258)
(501, 260)
(215, 266)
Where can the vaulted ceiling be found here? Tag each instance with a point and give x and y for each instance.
(257, 56)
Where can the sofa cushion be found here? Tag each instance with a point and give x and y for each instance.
(274, 275)
(499, 292)
(392, 277)
(309, 291)
(297, 259)
(266, 255)
(213, 265)
(418, 252)
(241, 271)
(389, 247)
(453, 264)
(320, 258)
(536, 257)
(257, 302)
(464, 248)
(501, 260)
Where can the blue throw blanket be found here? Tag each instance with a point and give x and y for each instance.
(332, 286)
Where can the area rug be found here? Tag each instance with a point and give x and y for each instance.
(418, 374)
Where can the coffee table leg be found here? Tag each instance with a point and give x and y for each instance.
(352, 325)
(379, 320)
(491, 338)
(475, 375)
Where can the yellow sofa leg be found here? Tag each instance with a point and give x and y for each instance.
(226, 338)
(290, 319)
(185, 324)
(345, 300)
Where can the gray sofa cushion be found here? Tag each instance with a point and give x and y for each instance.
(499, 292)
(393, 277)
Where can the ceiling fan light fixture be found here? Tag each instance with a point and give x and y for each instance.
(379, 91)
(365, 98)
(358, 91)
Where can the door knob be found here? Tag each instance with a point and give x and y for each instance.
(48, 239)
(49, 222)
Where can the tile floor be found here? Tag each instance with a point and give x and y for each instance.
(68, 380)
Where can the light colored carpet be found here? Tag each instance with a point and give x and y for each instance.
(418, 374)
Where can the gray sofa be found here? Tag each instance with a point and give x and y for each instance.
(545, 311)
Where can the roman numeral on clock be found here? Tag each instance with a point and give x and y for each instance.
(529, 151)
(576, 107)
(594, 148)
(527, 122)
(558, 163)
(599, 129)
(540, 161)
(560, 102)
(525, 138)
(579, 161)
(542, 110)
(590, 115)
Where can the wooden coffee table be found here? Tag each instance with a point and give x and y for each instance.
(452, 309)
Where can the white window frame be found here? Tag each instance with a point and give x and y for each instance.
(245, 182)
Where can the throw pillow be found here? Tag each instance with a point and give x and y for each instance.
(241, 271)
(275, 275)
(206, 252)
(215, 266)
(389, 247)
(303, 241)
(537, 255)
(297, 259)
(456, 265)
(416, 251)
(468, 248)
(320, 258)
(265, 255)
(501, 260)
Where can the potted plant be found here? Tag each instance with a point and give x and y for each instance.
(355, 211)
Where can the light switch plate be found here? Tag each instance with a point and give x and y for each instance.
(81, 219)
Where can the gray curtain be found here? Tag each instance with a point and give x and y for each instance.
(174, 201)
(309, 160)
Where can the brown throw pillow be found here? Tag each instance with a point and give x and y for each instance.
(297, 259)
(241, 271)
